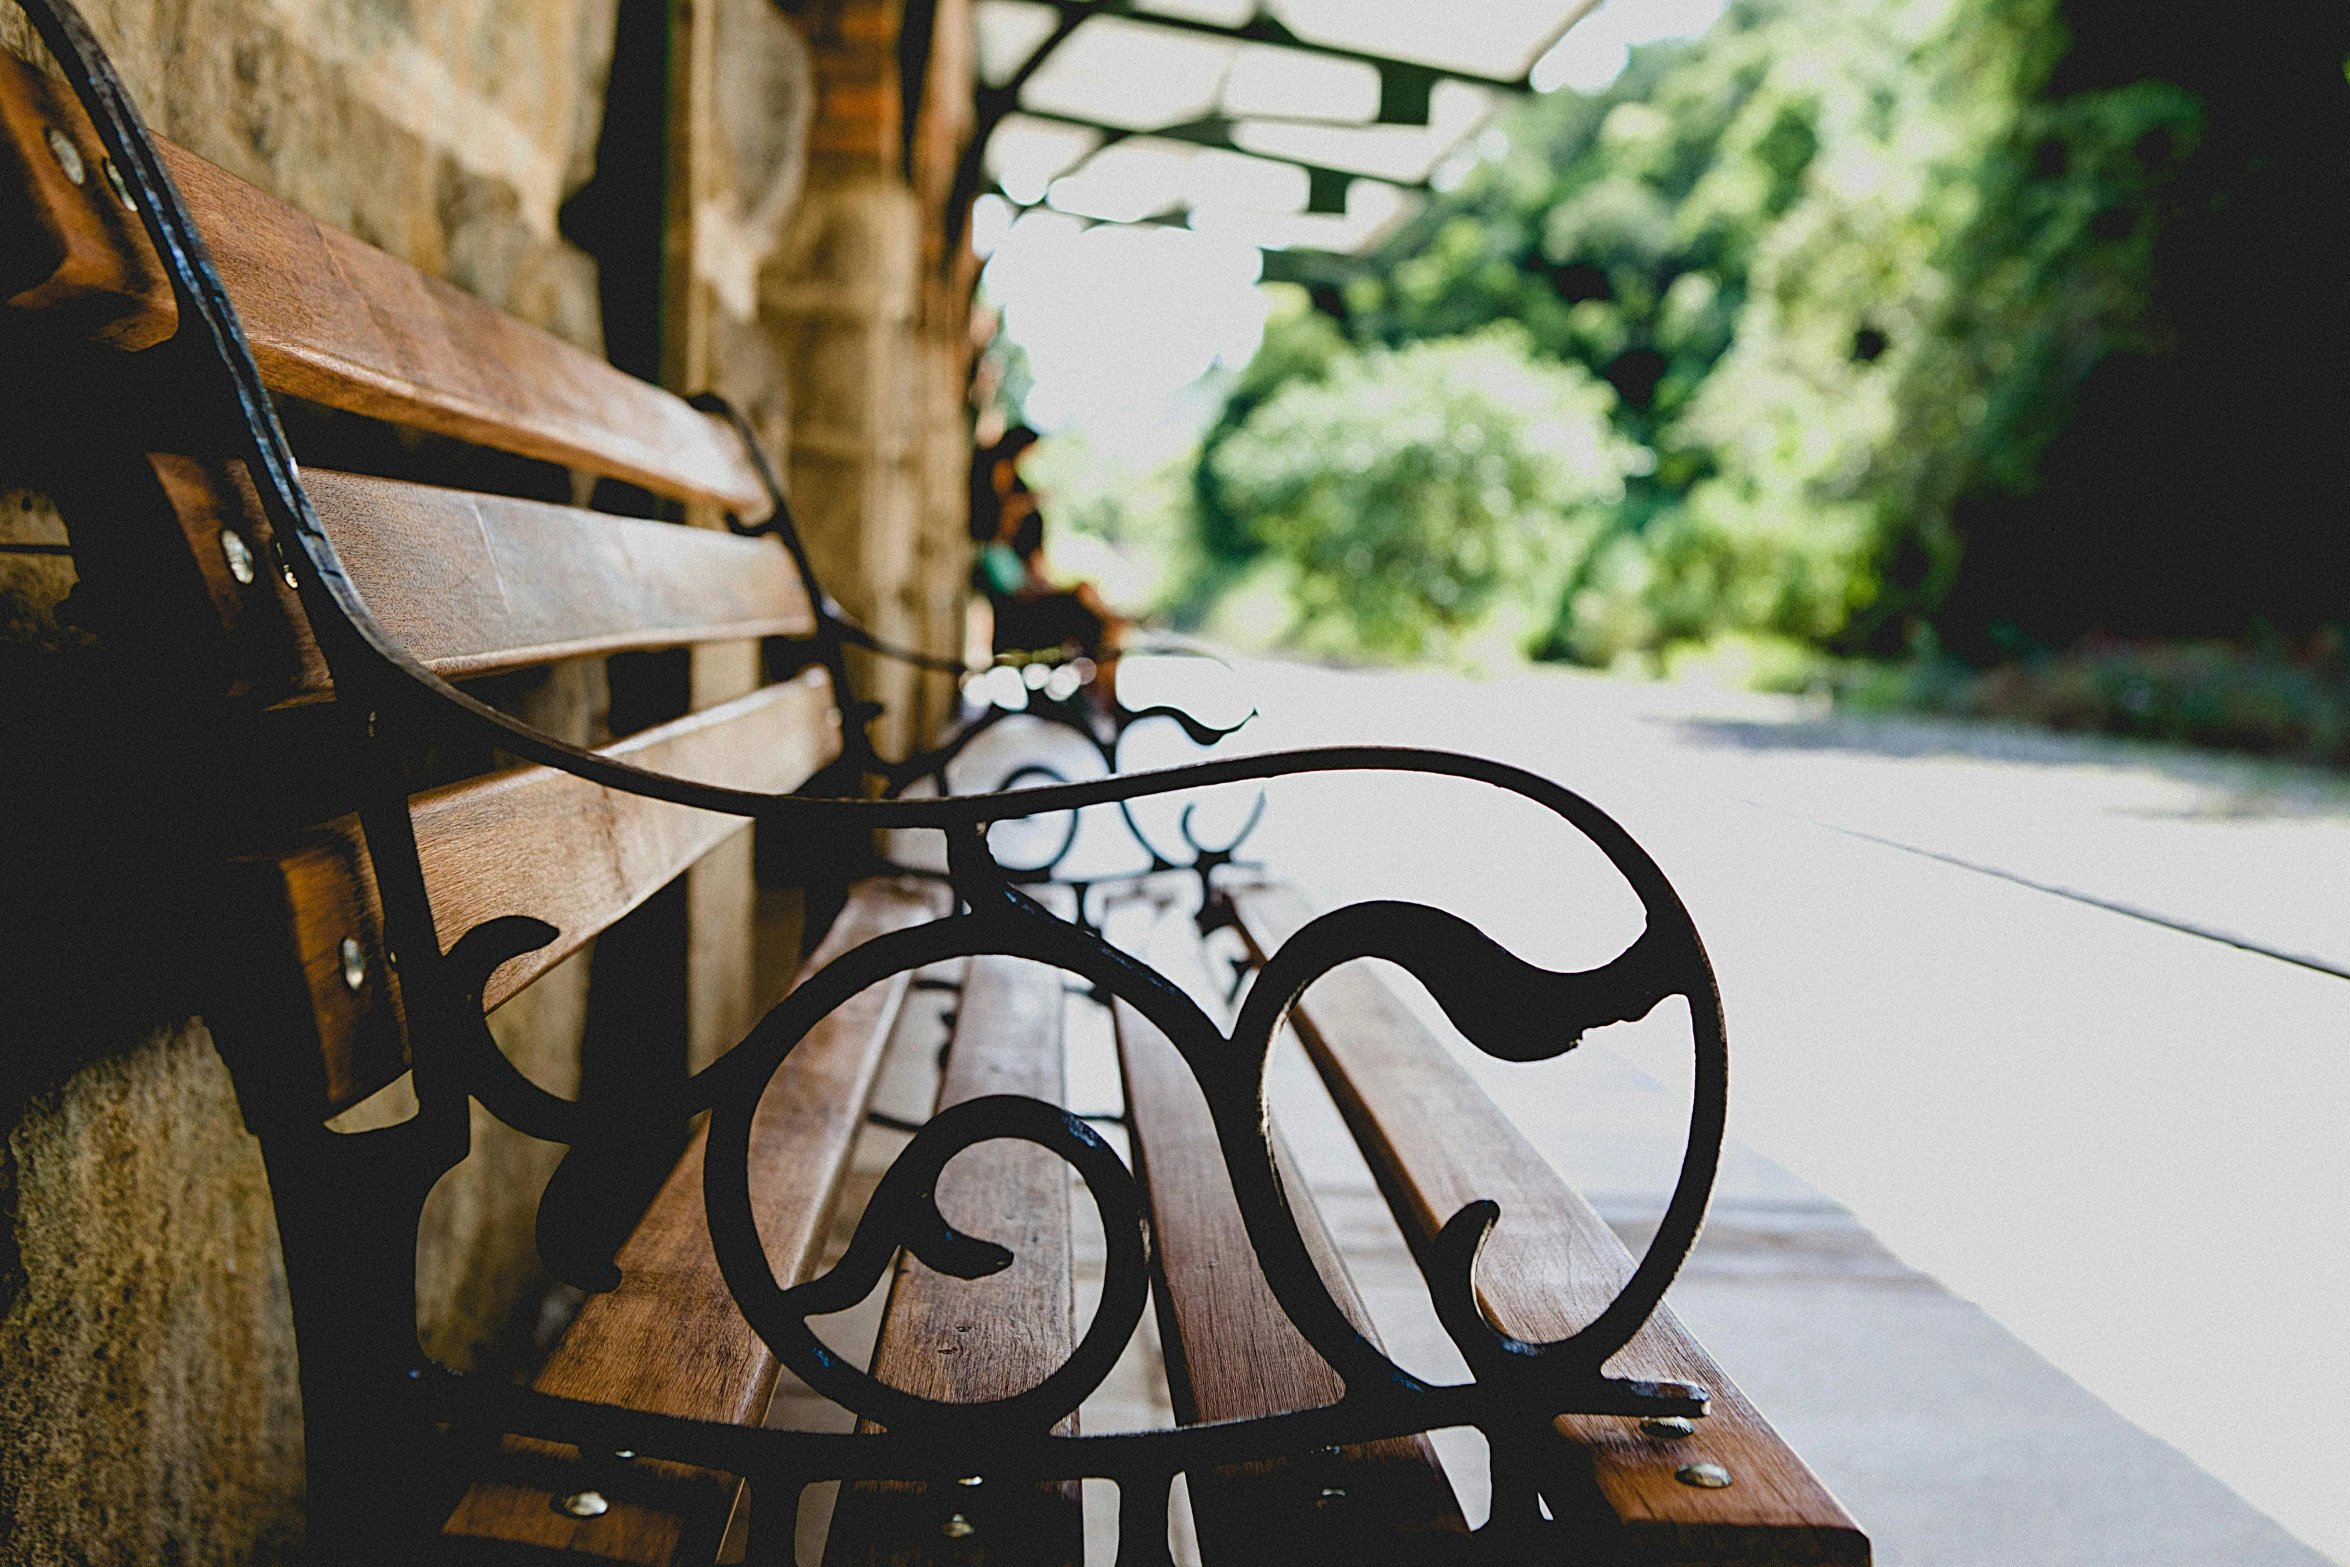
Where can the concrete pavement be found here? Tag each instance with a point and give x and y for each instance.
(2124, 1144)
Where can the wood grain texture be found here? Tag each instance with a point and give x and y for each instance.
(1232, 1353)
(339, 322)
(670, 1338)
(967, 1340)
(1436, 1142)
(66, 246)
(473, 584)
(530, 840)
(722, 892)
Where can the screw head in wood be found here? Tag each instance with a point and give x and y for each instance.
(958, 1528)
(120, 186)
(1706, 1477)
(238, 554)
(1670, 1428)
(1331, 1496)
(68, 156)
(585, 1504)
(354, 958)
(968, 1480)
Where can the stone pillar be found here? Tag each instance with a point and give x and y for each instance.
(740, 102)
(869, 316)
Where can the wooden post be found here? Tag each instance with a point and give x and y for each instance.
(721, 893)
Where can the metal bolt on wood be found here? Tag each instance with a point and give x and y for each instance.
(116, 183)
(958, 1527)
(354, 958)
(238, 554)
(1670, 1428)
(68, 156)
(586, 1504)
(1706, 1477)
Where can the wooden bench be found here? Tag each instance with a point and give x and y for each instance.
(372, 935)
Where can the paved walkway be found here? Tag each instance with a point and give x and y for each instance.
(2124, 1150)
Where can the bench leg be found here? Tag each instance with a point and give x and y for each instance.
(347, 1211)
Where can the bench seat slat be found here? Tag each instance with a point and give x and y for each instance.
(1436, 1142)
(670, 1338)
(1232, 1353)
(965, 1341)
(530, 840)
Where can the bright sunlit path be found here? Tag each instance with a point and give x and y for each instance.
(2120, 1140)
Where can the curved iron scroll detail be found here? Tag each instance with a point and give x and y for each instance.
(1507, 1007)
(904, 1212)
(1510, 1009)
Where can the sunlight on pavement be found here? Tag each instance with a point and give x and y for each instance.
(2125, 1142)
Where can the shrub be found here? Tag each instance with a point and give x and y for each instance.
(1417, 494)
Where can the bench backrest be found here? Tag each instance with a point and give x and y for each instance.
(470, 583)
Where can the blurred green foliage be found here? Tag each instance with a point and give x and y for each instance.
(2266, 699)
(1415, 492)
(1843, 266)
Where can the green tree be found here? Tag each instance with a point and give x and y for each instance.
(1414, 493)
(1841, 266)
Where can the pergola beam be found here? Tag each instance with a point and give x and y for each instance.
(1414, 77)
(1215, 130)
(1404, 89)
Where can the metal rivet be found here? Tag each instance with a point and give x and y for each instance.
(238, 554)
(968, 1480)
(354, 963)
(585, 1504)
(958, 1527)
(1331, 1495)
(122, 189)
(68, 156)
(1670, 1427)
(1706, 1477)
(624, 1454)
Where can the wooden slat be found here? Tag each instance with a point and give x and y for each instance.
(472, 584)
(530, 840)
(670, 1338)
(970, 1340)
(338, 322)
(1232, 1353)
(1436, 1142)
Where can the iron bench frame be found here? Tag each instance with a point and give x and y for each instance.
(349, 1205)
